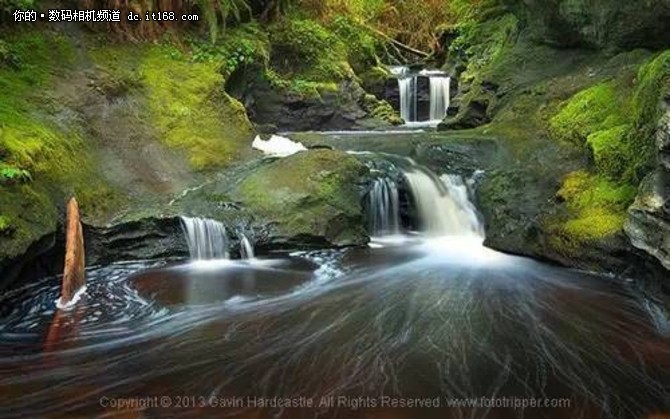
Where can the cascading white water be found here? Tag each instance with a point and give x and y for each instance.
(443, 204)
(408, 89)
(384, 208)
(246, 248)
(207, 239)
(439, 97)
(407, 85)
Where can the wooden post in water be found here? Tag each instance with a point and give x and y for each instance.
(74, 275)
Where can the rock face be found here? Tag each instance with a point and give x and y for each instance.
(648, 224)
(148, 238)
(326, 107)
(312, 198)
(606, 23)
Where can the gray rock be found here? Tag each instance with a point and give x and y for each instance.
(648, 224)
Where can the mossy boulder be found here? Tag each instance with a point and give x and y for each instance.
(311, 198)
(381, 109)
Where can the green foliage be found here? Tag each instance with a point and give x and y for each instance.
(484, 30)
(9, 175)
(299, 87)
(217, 13)
(11, 5)
(304, 49)
(362, 44)
(238, 47)
(5, 225)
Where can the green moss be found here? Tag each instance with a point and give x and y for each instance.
(611, 150)
(304, 49)
(375, 75)
(653, 84)
(191, 110)
(618, 120)
(597, 207)
(595, 109)
(362, 45)
(306, 57)
(307, 193)
(381, 110)
(484, 44)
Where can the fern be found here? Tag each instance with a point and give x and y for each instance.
(218, 12)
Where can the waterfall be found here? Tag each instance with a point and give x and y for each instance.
(439, 97)
(440, 85)
(384, 208)
(407, 84)
(246, 248)
(443, 204)
(207, 239)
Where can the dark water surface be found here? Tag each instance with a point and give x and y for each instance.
(424, 322)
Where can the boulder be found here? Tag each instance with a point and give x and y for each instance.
(313, 107)
(311, 199)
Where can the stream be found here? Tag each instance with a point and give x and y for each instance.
(424, 323)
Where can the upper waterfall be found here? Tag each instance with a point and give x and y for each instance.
(439, 97)
(408, 86)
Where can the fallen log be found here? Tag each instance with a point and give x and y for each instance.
(74, 274)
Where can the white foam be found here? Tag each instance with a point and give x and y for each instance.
(277, 146)
(73, 302)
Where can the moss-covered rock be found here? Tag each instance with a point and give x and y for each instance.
(596, 109)
(188, 104)
(303, 49)
(381, 109)
(44, 157)
(571, 121)
(597, 207)
(118, 126)
(311, 196)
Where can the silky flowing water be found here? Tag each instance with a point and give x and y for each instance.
(435, 319)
